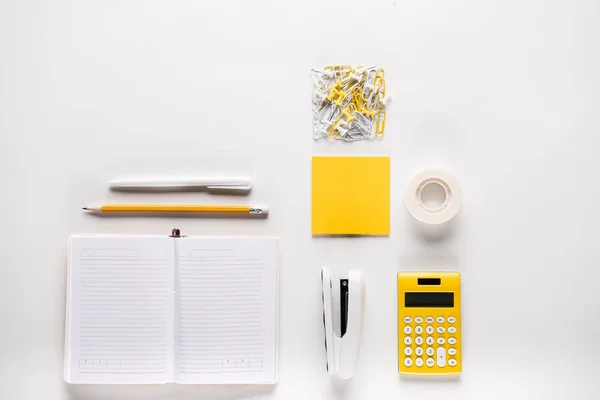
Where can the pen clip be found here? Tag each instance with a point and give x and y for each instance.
(229, 188)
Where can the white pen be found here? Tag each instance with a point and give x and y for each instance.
(239, 185)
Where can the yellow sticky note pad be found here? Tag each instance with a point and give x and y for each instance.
(351, 196)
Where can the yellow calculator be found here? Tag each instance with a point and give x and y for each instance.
(429, 323)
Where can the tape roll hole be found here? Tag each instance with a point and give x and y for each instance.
(434, 195)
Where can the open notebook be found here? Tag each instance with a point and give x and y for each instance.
(158, 309)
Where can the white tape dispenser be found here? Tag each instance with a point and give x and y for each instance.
(433, 196)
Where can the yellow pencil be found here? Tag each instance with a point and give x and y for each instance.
(177, 208)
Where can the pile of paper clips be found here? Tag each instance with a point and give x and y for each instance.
(348, 103)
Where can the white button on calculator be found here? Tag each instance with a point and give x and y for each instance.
(408, 340)
(419, 362)
(440, 330)
(451, 340)
(419, 320)
(429, 330)
(408, 362)
(451, 320)
(429, 340)
(407, 320)
(440, 320)
(452, 362)
(452, 330)
(419, 330)
(418, 340)
(407, 351)
(419, 351)
(441, 357)
(430, 362)
(429, 320)
(441, 340)
(452, 351)
(407, 330)
(430, 351)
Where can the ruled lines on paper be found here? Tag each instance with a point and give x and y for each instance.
(220, 312)
(124, 305)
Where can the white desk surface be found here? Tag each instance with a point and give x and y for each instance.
(506, 93)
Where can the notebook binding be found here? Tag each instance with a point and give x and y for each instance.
(175, 233)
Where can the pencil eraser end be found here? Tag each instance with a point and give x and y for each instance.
(259, 210)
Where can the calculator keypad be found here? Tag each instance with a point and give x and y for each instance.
(438, 334)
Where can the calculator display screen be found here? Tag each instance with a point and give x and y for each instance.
(429, 299)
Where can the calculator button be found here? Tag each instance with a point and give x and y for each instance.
(429, 330)
(407, 330)
(419, 362)
(419, 330)
(441, 357)
(407, 320)
(408, 362)
(429, 320)
(429, 351)
(440, 330)
(430, 363)
(429, 340)
(407, 351)
(452, 351)
(408, 340)
(419, 320)
(418, 340)
(452, 362)
(452, 330)
(451, 340)
(440, 320)
(441, 340)
(419, 351)
(451, 320)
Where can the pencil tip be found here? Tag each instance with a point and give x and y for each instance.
(84, 208)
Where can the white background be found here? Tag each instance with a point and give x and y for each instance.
(505, 93)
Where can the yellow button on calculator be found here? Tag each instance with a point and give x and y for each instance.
(429, 323)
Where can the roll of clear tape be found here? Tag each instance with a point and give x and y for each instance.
(433, 196)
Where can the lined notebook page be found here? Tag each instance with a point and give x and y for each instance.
(120, 310)
(226, 309)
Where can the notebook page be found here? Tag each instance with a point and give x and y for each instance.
(120, 309)
(226, 310)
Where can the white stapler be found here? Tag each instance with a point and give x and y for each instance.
(342, 318)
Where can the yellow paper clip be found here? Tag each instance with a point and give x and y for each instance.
(359, 106)
(339, 71)
(380, 124)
